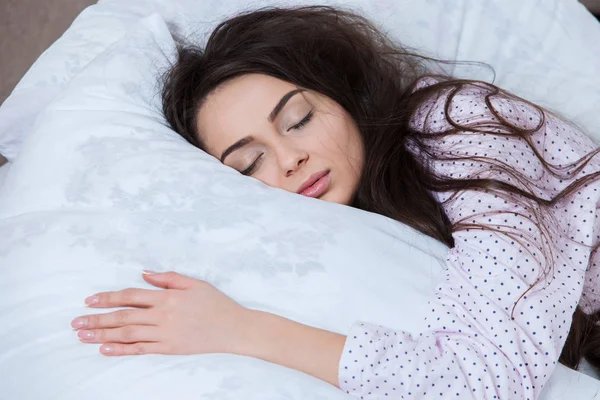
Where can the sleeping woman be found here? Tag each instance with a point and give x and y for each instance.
(317, 101)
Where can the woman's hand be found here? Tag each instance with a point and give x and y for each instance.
(193, 317)
(189, 317)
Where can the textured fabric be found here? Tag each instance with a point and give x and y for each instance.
(473, 348)
(3, 171)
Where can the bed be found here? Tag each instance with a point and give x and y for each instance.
(98, 188)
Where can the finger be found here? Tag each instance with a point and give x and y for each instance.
(134, 349)
(170, 280)
(124, 334)
(131, 297)
(116, 318)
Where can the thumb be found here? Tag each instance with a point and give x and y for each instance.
(168, 280)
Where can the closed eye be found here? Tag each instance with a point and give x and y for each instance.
(252, 167)
(303, 122)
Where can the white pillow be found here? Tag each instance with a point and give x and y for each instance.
(87, 37)
(102, 189)
(3, 171)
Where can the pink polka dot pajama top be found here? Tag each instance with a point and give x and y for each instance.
(473, 348)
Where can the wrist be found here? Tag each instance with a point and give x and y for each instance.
(256, 334)
(291, 344)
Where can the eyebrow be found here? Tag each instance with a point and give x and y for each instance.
(247, 139)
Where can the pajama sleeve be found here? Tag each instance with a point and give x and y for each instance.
(473, 348)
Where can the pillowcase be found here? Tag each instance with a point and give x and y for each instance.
(89, 35)
(3, 171)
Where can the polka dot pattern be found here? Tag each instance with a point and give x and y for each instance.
(481, 342)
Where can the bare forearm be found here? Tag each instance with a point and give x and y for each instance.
(294, 345)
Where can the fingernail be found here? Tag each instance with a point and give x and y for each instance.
(106, 349)
(85, 334)
(79, 322)
(91, 300)
(145, 271)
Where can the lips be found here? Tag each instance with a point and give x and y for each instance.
(315, 185)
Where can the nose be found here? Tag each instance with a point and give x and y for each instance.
(292, 158)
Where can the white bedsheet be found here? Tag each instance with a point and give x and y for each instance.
(3, 171)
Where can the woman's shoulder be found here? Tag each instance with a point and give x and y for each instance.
(456, 108)
(472, 126)
(446, 104)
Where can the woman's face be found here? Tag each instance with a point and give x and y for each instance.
(287, 138)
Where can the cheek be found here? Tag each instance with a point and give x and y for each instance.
(269, 173)
(348, 145)
(335, 139)
(358, 149)
(353, 158)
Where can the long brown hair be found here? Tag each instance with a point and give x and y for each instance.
(344, 56)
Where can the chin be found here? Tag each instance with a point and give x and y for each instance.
(332, 198)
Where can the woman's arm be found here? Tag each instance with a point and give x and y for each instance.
(192, 316)
(294, 345)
